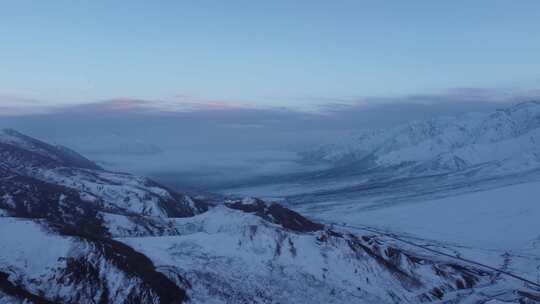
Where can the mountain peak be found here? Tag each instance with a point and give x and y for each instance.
(16, 141)
(9, 131)
(9, 135)
(276, 214)
(497, 139)
(529, 103)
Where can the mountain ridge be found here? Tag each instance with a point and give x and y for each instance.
(445, 144)
(60, 154)
(80, 240)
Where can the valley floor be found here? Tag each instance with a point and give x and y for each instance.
(506, 218)
(498, 227)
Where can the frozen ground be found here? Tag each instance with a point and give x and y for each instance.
(495, 221)
(505, 218)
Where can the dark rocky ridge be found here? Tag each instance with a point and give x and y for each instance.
(276, 214)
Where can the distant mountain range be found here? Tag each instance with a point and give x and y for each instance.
(71, 232)
(419, 160)
(505, 141)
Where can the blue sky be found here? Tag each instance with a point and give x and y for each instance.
(263, 53)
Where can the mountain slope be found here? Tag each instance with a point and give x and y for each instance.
(81, 235)
(508, 138)
(29, 150)
(418, 161)
(116, 192)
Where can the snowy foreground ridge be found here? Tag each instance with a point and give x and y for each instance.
(71, 232)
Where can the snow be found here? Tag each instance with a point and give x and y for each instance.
(229, 246)
(191, 203)
(36, 260)
(248, 201)
(218, 219)
(502, 136)
(118, 224)
(11, 137)
(505, 218)
(241, 255)
(117, 190)
(231, 256)
(27, 246)
(8, 200)
(7, 299)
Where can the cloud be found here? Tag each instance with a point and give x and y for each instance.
(201, 123)
(384, 111)
(14, 105)
(109, 106)
(176, 104)
(187, 102)
(236, 124)
(458, 96)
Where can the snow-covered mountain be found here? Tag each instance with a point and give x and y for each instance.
(505, 141)
(71, 232)
(117, 192)
(418, 161)
(21, 151)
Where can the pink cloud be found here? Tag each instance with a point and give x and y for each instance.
(186, 102)
(177, 104)
(124, 104)
(110, 106)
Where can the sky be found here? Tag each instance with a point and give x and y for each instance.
(295, 54)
